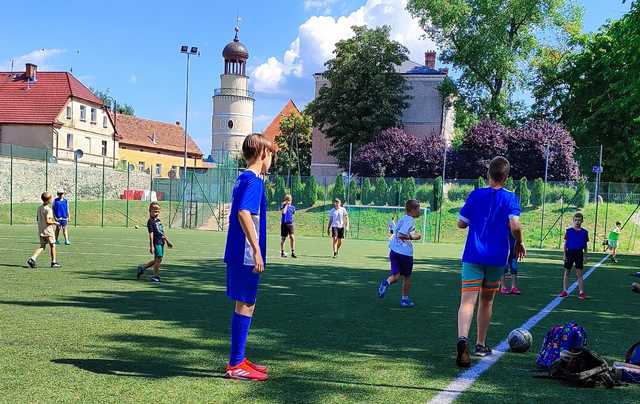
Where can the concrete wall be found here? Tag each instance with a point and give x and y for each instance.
(29, 180)
(40, 136)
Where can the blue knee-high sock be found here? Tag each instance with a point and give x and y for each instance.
(239, 331)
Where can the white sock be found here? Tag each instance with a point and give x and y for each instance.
(405, 297)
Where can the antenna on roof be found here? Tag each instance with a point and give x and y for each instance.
(237, 28)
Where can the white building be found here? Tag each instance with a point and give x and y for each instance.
(233, 102)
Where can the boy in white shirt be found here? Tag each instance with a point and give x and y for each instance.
(338, 224)
(401, 253)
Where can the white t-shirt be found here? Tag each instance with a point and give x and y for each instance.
(336, 216)
(406, 225)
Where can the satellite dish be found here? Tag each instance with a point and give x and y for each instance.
(131, 167)
(77, 155)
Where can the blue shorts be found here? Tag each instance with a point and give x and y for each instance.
(400, 264)
(63, 222)
(476, 278)
(512, 266)
(242, 283)
(158, 250)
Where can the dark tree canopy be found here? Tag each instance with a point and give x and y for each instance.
(365, 95)
(109, 101)
(294, 145)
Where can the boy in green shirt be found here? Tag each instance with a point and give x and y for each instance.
(612, 242)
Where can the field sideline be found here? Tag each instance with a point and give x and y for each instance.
(89, 332)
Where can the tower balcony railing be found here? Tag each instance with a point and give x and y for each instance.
(234, 91)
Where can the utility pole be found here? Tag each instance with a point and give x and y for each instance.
(544, 189)
(349, 177)
(598, 175)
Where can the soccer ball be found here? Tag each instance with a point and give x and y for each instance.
(520, 340)
(136, 227)
(635, 287)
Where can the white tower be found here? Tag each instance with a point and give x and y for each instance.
(232, 102)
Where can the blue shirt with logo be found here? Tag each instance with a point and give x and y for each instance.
(60, 208)
(248, 194)
(576, 239)
(488, 211)
(287, 216)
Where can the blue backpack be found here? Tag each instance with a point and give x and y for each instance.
(566, 337)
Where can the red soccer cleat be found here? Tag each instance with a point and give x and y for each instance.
(504, 291)
(259, 368)
(515, 291)
(582, 296)
(563, 294)
(244, 371)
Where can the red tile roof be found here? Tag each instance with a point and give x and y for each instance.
(39, 102)
(273, 130)
(135, 131)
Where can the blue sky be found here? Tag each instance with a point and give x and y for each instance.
(131, 47)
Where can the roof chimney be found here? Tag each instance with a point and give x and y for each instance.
(177, 123)
(430, 59)
(30, 72)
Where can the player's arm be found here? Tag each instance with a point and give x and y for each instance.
(329, 225)
(284, 207)
(346, 220)
(51, 220)
(151, 246)
(516, 230)
(465, 214)
(244, 217)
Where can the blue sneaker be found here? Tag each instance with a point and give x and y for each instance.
(382, 289)
(406, 303)
(57, 242)
(140, 271)
(67, 242)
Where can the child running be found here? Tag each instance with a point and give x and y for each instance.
(612, 242)
(576, 241)
(338, 224)
(61, 214)
(286, 226)
(46, 231)
(392, 226)
(245, 253)
(401, 253)
(512, 270)
(490, 214)
(157, 240)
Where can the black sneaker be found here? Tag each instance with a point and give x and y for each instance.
(293, 255)
(140, 271)
(155, 279)
(482, 351)
(55, 265)
(463, 359)
(32, 263)
(283, 254)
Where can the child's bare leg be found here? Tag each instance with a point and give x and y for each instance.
(565, 280)
(514, 281)
(614, 251)
(244, 309)
(580, 280)
(156, 266)
(53, 252)
(282, 239)
(406, 285)
(393, 278)
(57, 232)
(66, 233)
(37, 252)
(292, 240)
(149, 264)
(334, 242)
(465, 312)
(485, 310)
(339, 244)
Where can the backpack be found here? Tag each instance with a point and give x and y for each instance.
(583, 368)
(633, 354)
(626, 372)
(567, 337)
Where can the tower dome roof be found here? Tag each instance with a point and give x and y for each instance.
(235, 50)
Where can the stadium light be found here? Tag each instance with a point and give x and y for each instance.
(184, 49)
(189, 52)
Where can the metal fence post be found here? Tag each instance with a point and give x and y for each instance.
(606, 209)
(102, 202)
(170, 197)
(127, 197)
(561, 220)
(46, 169)
(11, 185)
(75, 194)
(191, 201)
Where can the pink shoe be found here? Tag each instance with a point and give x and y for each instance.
(563, 294)
(515, 291)
(582, 296)
(504, 291)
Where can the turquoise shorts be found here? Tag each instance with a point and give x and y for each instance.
(477, 277)
(613, 244)
(158, 251)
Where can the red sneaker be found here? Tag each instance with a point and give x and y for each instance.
(563, 294)
(259, 368)
(504, 291)
(582, 296)
(243, 371)
(515, 291)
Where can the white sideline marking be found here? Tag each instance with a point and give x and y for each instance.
(468, 377)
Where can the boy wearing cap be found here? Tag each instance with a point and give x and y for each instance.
(61, 214)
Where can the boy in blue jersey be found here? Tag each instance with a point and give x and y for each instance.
(576, 241)
(245, 253)
(61, 214)
(490, 214)
(286, 226)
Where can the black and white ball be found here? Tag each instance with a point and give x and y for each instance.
(520, 340)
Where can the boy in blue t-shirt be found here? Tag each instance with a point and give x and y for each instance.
(61, 214)
(491, 214)
(286, 226)
(245, 252)
(576, 241)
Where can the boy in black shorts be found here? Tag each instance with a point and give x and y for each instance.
(157, 241)
(286, 226)
(576, 242)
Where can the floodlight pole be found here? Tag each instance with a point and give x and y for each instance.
(598, 175)
(186, 51)
(544, 189)
(349, 177)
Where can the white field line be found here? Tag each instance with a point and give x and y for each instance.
(468, 377)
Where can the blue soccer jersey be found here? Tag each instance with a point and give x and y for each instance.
(488, 211)
(248, 194)
(60, 208)
(576, 239)
(287, 216)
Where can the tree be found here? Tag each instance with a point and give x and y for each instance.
(594, 93)
(536, 192)
(523, 192)
(408, 189)
(297, 190)
(480, 183)
(365, 95)
(381, 192)
(490, 43)
(482, 143)
(581, 196)
(338, 188)
(354, 192)
(436, 202)
(280, 191)
(107, 100)
(294, 144)
(393, 196)
(310, 192)
(367, 192)
(510, 184)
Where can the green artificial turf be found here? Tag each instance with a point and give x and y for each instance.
(90, 332)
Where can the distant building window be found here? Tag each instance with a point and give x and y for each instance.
(88, 139)
(70, 141)
(230, 124)
(158, 169)
(104, 121)
(94, 115)
(68, 111)
(141, 165)
(83, 113)
(104, 147)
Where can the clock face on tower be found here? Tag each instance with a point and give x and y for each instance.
(230, 124)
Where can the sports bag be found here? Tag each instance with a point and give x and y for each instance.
(583, 368)
(633, 354)
(626, 372)
(567, 337)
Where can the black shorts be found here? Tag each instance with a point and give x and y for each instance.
(337, 232)
(574, 257)
(286, 229)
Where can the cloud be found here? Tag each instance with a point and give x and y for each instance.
(38, 57)
(262, 118)
(317, 36)
(133, 79)
(323, 6)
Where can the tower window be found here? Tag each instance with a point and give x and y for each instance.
(230, 124)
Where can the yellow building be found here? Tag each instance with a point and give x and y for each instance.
(155, 147)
